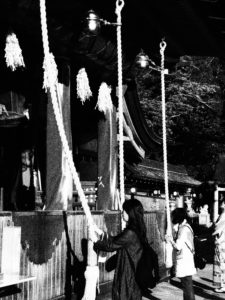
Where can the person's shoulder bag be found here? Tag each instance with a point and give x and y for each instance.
(200, 261)
(146, 273)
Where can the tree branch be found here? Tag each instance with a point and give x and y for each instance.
(175, 116)
(198, 98)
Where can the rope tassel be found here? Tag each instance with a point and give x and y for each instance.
(83, 88)
(104, 98)
(54, 71)
(168, 255)
(92, 278)
(92, 271)
(13, 52)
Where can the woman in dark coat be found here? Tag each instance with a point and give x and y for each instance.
(129, 247)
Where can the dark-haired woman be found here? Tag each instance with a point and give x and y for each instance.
(184, 247)
(129, 246)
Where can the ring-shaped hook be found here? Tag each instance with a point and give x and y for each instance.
(163, 45)
(119, 5)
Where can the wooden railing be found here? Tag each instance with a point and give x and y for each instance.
(46, 238)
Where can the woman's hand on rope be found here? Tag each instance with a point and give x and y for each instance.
(92, 235)
(95, 233)
(97, 230)
(168, 238)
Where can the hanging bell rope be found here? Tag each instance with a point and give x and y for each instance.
(119, 7)
(13, 52)
(169, 248)
(92, 271)
(165, 164)
(52, 90)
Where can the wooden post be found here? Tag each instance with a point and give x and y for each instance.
(1, 198)
(216, 204)
(59, 182)
(107, 161)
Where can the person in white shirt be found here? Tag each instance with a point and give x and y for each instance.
(184, 247)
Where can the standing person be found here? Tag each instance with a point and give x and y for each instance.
(129, 246)
(219, 259)
(184, 257)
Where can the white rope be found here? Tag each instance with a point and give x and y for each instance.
(165, 165)
(68, 153)
(168, 246)
(119, 6)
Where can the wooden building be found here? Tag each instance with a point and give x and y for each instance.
(41, 223)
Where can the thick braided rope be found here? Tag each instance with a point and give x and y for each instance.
(59, 122)
(165, 164)
(119, 6)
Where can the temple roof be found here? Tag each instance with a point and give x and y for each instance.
(153, 170)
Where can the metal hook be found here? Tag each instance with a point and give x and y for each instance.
(163, 45)
(119, 6)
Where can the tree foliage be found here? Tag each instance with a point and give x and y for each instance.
(195, 95)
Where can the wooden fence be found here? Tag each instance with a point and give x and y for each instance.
(53, 249)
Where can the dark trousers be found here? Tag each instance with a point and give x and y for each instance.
(188, 290)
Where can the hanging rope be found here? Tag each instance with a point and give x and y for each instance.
(119, 6)
(52, 90)
(162, 49)
(169, 248)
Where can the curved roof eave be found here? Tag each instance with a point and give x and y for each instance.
(152, 170)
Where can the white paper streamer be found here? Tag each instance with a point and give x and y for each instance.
(104, 98)
(13, 52)
(83, 89)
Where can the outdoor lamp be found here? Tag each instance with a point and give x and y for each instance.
(156, 193)
(142, 60)
(133, 190)
(175, 194)
(94, 22)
